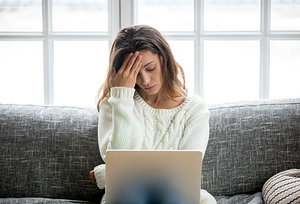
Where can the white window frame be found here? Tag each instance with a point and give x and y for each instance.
(122, 13)
(265, 35)
(47, 36)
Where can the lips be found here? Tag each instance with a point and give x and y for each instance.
(149, 88)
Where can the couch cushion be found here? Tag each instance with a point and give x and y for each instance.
(38, 200)
(48, 151)
(250, 142)
(238, 199)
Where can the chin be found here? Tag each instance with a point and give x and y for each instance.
(153, 92)
(150, 93)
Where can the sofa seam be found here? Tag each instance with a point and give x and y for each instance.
(254, 105)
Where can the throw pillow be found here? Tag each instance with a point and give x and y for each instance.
(283, 187)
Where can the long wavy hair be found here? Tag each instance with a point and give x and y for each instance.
(143, 37)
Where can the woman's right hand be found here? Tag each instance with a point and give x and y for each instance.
(127, 74)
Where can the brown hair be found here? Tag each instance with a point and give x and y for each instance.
(143, 37)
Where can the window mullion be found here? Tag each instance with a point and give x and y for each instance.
(265, 49)
(48, 53)
(128, 13)
(264, 68)
(198, 49)
(114, 22)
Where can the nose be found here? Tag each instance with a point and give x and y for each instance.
(145, 78)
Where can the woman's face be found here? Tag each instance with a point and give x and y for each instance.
(150, 78)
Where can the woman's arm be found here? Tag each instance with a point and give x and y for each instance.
(195, 137)
(119, 127)
(196, 130)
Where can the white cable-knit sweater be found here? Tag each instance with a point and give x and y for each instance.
(126, 121)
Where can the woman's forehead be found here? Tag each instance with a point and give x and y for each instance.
(148, 56)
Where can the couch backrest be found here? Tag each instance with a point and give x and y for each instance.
(250, 142)
(48, 151)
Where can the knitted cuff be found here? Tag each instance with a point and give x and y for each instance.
(122, 92)
(100, 175)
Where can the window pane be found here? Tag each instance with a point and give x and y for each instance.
(285, 15)
(78, 15)
(79, 70)
(231, 15)
(285, 69)
(231, 70)
(183, 52)
(167, 15)
(23, 16)
(21, 73)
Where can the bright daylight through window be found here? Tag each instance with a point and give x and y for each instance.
(55, 52)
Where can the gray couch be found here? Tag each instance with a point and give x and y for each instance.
(46, 152)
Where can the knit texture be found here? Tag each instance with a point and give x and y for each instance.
(126, 121)
(283, 187)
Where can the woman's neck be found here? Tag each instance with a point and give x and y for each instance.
(153, 100)
(160, 100)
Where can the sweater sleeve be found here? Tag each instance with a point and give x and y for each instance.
(196, 131)
(118, 127)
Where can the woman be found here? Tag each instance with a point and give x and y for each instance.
(143, 103)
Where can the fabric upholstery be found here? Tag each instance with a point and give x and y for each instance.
(39, 201)
(250, 142)
(241, 198)
(48, 151)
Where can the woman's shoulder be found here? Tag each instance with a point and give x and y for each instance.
(195, 100)
(195, 103)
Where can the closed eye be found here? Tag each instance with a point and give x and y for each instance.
(150, 70)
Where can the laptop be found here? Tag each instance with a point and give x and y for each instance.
(176, 171)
